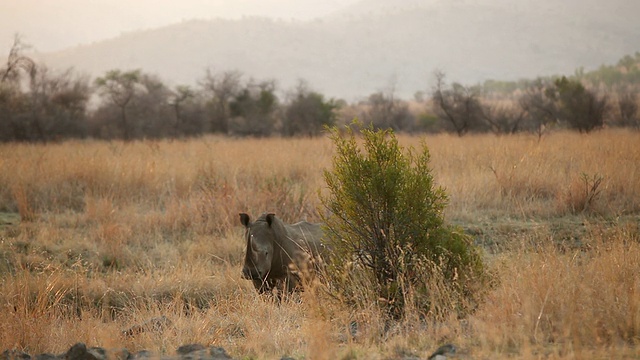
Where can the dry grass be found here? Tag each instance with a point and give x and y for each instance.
(113, 234)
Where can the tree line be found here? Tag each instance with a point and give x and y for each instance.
(38, 104)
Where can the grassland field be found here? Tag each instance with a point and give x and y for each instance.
(96, 237)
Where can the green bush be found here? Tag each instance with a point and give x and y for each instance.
(385, 222)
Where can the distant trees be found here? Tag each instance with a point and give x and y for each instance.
(58, 104)
(120, 88)
(189, 111)
(539, 109)
(564, 101)
(580, 108)
(142, 106)
(542, 103)
(384, 110)
(627, 106)
(40, 104)
(307, 112)
(37, 104)
(220, 89)
(504, 118)
(253, 109)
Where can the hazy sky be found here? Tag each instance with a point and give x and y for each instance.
(50, 25)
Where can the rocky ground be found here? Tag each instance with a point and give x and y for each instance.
(80, 351)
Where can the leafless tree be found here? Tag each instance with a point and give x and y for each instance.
(503, 118)
(17, 61)
(459, 105)
(540, 110)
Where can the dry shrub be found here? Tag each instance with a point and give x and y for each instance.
(99, 209)
(581, 194)
(22, 197)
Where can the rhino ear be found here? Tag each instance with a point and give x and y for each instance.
(244, 219)
(270, 218)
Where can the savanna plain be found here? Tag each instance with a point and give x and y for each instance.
(97, 237)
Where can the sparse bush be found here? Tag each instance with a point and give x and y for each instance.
(580, 108)
(385, 222)
(582, 193)
(628, 110)
(384, 110)
(308, 112)
(253, 110)
(540, 110)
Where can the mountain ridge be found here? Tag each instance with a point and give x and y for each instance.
(352, 54)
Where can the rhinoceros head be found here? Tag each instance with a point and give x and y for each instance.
(260, 237)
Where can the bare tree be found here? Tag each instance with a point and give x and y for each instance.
(503, 118)
(540, 110)
(14, 104)
(458, 105)
(17, 62)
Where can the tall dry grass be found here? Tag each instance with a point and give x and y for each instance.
(113, 234)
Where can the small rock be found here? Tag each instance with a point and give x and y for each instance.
(14, 355)
(79, 352)
(199, 352)
(143, 354)
(120, 354)
(442, 352)
(185, 349)
(46, 356)
(218, 353)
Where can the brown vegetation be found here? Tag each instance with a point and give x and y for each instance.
(112, 234)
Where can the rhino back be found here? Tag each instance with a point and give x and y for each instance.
(307, 235)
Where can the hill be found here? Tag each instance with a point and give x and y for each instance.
(371, 44)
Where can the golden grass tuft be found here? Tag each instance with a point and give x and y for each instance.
(113, 234)
(566, 300)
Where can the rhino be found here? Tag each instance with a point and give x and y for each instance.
(279, 255)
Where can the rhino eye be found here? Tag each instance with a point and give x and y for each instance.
(252, 243)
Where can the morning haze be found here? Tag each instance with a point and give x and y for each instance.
(345, 48)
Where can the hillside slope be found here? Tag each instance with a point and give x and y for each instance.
(370, 45)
